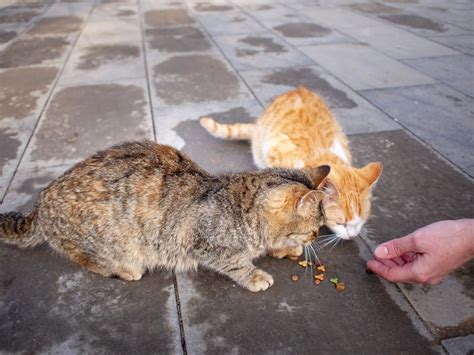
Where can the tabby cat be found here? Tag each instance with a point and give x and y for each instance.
(141, 205)
(297, 130)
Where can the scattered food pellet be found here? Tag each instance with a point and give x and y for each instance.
(340, 286)
(334, 280)
(304, 263)
(319, 277)
(321, 268)
(317, 282)
(294, 258)
(294, 278)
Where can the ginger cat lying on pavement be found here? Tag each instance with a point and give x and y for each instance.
(298, 130)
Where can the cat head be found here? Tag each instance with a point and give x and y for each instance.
(348, 193)
(295, 211)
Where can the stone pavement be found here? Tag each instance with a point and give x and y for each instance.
(80, 75)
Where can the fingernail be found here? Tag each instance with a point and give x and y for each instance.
(381, 251)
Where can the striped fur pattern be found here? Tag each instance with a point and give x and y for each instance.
(140, 206)
(297, 130)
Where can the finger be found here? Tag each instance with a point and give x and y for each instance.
(393, 274)
(396, 247)
(387, 262)
(409, 257)
(398, 260)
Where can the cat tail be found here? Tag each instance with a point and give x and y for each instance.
(17, 229)
(238, 131)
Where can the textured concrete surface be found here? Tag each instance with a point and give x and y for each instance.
(80, 75)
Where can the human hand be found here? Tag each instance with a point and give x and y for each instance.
(426, 255)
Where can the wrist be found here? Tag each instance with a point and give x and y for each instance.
(466, 233)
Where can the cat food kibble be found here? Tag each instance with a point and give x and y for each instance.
(305, 263)
(294, 258)
(317, 282)
(319, 277)
(294, 278)
(321, 268)
(340, 286)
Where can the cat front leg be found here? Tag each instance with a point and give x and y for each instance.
(247, 275)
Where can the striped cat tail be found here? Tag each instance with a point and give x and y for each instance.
(17, 229)
(238, 131)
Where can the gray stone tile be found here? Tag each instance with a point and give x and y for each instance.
(85, 118)
(106, 31)
(460, 345)
(418, 188)
(463, 43)
(79, 9)
(113, 11)
(398, 43)
(296, 317)
(92, 63)
(6, 36)
(15, 14)
(363, 68)
(439, 115)
(50, 305)
(454, 71)
(34, 51)
(229, 23)
(259, 51)
(340, 19)
(179, 126)
(168, 17)
(23, 90)
(268, 10)
(212, 6)
(353, 112)
(56, 25)
(194, 78)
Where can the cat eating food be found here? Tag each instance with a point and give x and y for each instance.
(140, 206)
(297, 130)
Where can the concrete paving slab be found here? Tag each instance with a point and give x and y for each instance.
(52, 306)
(110, 31)
(96, 63)
(35, 51)
(340, 19)
(18, 14)
(455, 71)
(167, 17)
(399, 44)
(291, 317)
(437, 114)
(411, 193)
(247, 52)
(459, 345)
(113, 11)
(85, 118)
(229, 23)
(179, 39)
(363, 68)
(463, 43)
(56, 25)
(354, 113)
(267, 10)
(179, 126)
(79, 9)
(194, 78)
(3, 186)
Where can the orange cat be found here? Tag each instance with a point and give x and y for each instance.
(298, 131)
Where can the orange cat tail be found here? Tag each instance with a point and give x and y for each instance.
(238, 131)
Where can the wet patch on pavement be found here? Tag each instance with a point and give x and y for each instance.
(177, 39)
(294, 77)
(33, 51)
(171, 17)
(9, 145)
(302, 30)
(194, 78)
(415, 21)
(265, 45)
(6, 36)
(374, 8)
(205, 6)
(20, 89)
(56, 25)
(217, 155)
(98, 55)
(25, 16)
(84, 119)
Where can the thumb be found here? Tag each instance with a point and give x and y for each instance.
(396, 247)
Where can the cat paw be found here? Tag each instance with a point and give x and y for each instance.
(128, 275)
(259, 281)
(295, 251)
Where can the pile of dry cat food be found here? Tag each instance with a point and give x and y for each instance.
(320, 275)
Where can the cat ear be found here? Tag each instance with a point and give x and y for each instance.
(371, 173)
(330, 190)
(307, 201)
(318, 174)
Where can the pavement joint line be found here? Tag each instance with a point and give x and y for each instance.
(211, 38)
(48, 99)
(180, 317)
(147, 73)
(449, 46)
(394, 290)
(427, 145)
(443, 83)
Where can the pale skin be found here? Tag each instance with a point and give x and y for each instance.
(427, 255)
